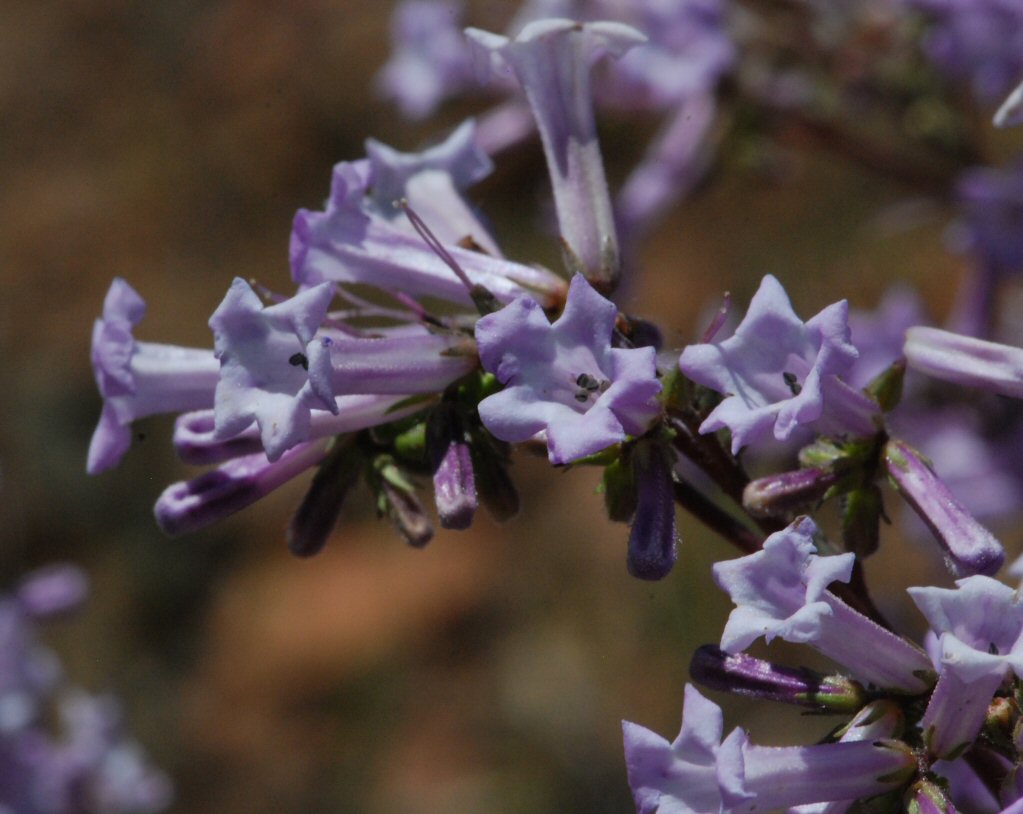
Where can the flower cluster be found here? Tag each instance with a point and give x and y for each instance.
(412, 349)
(62, 750)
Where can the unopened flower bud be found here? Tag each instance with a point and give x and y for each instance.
(969, 547)
(397, 499)
(317, 515)
(787, 492)
(454, 483)
(742, 674)
(927, 797)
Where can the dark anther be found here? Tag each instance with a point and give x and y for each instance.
(792, 382)
(581, 396)
(590, 383)
(297, 359)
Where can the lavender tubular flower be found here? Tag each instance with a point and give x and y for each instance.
(432, 182)
(700, 774)
(192, 505)
(981, 628)
(965, 360)
(782, 591)
(139, 379)
(274, 373)
(351, 242)
(678, 777)
(552, 60)
(565, 378)
(969, 547)
(779, 373)
(768, 778)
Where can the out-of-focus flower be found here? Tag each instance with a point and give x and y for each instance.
(990, 227)
(430, 60)
(62, 751)
(565, 378)
(979, 42)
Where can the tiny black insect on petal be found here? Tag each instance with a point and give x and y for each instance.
(299, 359)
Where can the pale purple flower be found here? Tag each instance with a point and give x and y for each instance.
(278, 365)
(552, 59)
(271, 370)
(565, 378)
(878, 335)
(768, 778)
(779, 374)
(781, 591)
(980, 623)
(678, 777)
(432, 182)
(139, 379)
(351, 242)
(671, 166)
(699, 773)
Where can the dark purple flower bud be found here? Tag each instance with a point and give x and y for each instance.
(317, 515)
(454, 483)
(787, 492)
(969, 547)
(652, 539)
(741, 674)
(53, 590)
(397, 499)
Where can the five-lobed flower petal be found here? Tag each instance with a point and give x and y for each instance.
(565, 378)
(779, 373)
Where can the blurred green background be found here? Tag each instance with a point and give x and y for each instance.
(170, 143)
